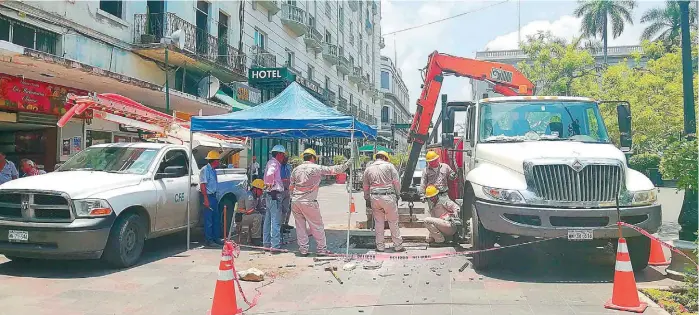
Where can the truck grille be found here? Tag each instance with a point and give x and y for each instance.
(36, 207)
(560, 182)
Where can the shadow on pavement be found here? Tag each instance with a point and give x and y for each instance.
(154, 250)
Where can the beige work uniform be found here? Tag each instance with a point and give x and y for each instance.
(439, 223)
(439, 177)
(305, 180)
(254, 219)
(381, 184)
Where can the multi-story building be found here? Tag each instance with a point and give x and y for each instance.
(395, 108)
(51, 48)
(513, 57)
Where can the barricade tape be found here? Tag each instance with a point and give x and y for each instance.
(664, 244)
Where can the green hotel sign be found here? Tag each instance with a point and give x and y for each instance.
(270, 75)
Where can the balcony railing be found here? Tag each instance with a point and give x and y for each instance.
(354, 5)
(356, 75)
(295, 18)
(330, 96)
(353, 110)
(362, 114)
(232, 58)
(263, 60)
(313, 38)
(342, 104)
(330, 52)
(351, 38)
(344, 65)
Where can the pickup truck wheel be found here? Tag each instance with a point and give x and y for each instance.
(481, 239)
(639, 251)
(125, 243)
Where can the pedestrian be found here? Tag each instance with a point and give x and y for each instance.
(252, 207)
(286, 196)
(208, 183)
(253, 170)
(29, 168)
(436, 174)
(381, 186)
(8, 170)
(443, 218)
(305, 181)
(274, 188)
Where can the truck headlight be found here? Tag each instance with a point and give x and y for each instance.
(90, 208)
(506, 195)
(644, 197)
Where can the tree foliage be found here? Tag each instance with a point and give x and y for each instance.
(598, 14)
(680, 162)
(664, 23)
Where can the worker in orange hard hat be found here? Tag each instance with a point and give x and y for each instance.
(437, 174)
(443, 219)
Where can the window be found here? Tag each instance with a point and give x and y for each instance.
(341, 18)
(289, 59)
(385, 112)
(328, 37)
(351, 60)
(173, 158)
(260, 39)
(328, 9)
(128, 160)
(112, 7)
(327, 83)
(385, 80)
(339, 91)
(28, 36)
(310, 73)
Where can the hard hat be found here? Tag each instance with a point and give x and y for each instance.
(213, 155)
(431, 191)
(431, 156)
(258, 183)
(381, 153)
(555, 119)
(279, 148)
(311, 152)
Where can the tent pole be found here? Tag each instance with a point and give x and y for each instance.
(189, 186)
(351, 187)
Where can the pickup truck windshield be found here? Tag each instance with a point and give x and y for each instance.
(541, 121)
(111, 159)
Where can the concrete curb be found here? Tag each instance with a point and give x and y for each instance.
(652, 304)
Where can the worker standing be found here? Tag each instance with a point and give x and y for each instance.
(381, 186)
(208, 184)
(274, 188)
(436, 174)
(443, 216)
(286, 197)
(305, 180)
(252, 207)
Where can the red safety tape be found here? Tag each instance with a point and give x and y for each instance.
(644, 232)
(235, 254)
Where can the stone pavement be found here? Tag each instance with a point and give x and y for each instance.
(541, 279)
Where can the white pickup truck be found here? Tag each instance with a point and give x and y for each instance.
(106, 201)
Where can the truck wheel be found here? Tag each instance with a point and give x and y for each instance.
(480, 239)
(639, 251)
(126, 240)
(230, 211)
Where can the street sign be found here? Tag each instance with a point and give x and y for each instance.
(401, 126)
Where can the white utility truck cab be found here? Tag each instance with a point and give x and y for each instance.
(105, 201)
(544, 167)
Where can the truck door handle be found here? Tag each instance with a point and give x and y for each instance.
(193, 184)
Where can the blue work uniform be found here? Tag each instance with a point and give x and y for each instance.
(212, 216)
(8, 173)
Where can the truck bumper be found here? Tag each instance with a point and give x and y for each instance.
(80, 239)
(555, 222)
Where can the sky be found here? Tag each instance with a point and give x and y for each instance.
(493, 26)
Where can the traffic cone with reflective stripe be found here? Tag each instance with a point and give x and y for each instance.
(657, 257)
(224, 295)
(624, 294)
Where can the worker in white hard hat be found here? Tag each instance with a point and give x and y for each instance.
(251, 208)
(442, 222)
(437, 174)
(381, 185)
(208, 183)
(305, 180)
(274, 188)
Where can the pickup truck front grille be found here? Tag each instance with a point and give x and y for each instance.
(35, 207)
(590, 183)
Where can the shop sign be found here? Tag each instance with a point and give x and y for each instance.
(259, 75)
(27, 95)
(309, 84)
(246, 94)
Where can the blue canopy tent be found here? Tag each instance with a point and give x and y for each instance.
(293, 114)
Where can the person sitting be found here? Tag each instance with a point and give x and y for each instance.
(520, 125)
(29, 168)
(251, 208)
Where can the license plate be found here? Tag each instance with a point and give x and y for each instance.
(579, 235)
(18, 236)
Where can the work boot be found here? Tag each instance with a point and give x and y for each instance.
(303, 254)
(209, 243)
(256, 241)
(218, 242)
(323, 253)
(399, 249)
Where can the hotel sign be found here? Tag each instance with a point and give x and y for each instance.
(260, 75)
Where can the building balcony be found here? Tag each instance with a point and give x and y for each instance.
(369, 26)
(201, 51)
(382, 42)
(331, 97)
(295, 19)
(263, 59)
(330, 52)
(354, 5)
(313, 38)
(273, 6)
(356, 75)
(344, 65)
(342, 104)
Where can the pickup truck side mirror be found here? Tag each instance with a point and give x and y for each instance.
(172, 172)
(624, 119)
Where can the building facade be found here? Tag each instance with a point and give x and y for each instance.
(203, 51)
(395, 106)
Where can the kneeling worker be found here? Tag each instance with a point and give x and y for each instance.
(381, 185)
(443, 216)
(305, 180)
(252, 207)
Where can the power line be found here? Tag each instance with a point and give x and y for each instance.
(447, 18)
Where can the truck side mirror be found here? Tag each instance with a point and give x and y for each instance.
(624, 117)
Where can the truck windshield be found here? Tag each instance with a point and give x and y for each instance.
(542, 121)
(127, 160)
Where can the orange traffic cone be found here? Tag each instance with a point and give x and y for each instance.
(224, 295)
(624, 294)
(657, 257)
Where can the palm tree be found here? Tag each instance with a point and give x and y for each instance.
(596, 15)
(665, 23)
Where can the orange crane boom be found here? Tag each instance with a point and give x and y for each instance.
(505, 79)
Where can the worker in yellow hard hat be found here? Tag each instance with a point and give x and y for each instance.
(381, 186)
(251, 207)
(443, 219)
(305, 180)
(383, 154)
(437, 174)
(208, 182)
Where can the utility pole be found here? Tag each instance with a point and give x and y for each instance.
(167, 81)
